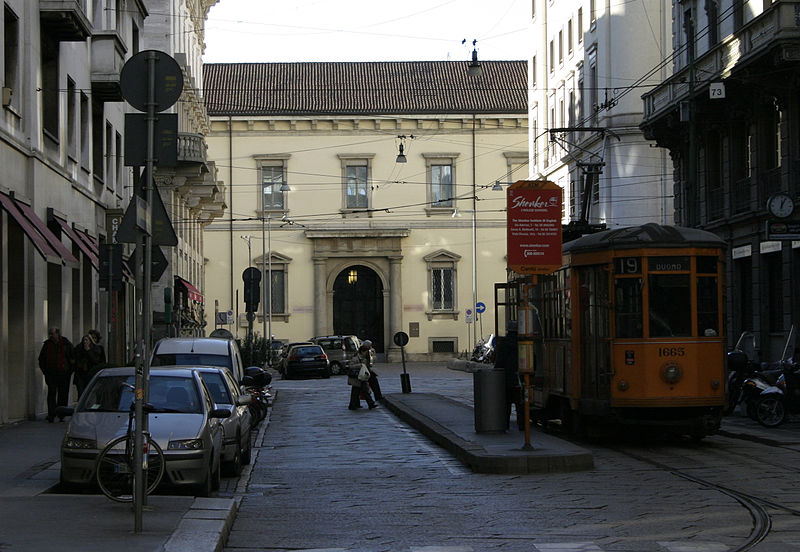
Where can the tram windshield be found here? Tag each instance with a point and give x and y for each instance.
(660, 292)
(670, 305)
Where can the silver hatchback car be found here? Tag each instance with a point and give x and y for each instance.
(184, 422)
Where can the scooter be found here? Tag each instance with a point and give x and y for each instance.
(775, 402)
(484, 350)
(747, 379)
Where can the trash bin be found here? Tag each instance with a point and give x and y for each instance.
(490, 400)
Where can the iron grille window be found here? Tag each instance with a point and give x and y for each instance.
(442, 289)
(438, 346)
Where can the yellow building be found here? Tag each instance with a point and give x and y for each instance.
(367, 194)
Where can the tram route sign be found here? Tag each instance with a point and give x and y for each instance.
(534, 226)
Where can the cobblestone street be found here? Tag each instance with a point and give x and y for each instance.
(328, 478)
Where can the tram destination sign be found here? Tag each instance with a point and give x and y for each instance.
(534, 226)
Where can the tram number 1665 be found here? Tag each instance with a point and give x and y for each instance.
(671, 351)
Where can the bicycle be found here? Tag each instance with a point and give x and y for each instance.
(114, 470)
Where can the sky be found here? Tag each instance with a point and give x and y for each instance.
(365, 30)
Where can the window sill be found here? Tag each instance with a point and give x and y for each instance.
(276, 317)
(442, 315)
(431, 211)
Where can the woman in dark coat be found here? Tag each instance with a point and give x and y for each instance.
(89, 357)
(358, 388)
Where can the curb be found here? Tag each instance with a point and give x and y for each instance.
(476, 458)
(204, 527)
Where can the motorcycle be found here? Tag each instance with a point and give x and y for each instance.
(747, 379)
(256, 382)
(484, 350)
(775, 402)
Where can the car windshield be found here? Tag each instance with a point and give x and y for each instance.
(167, 394)
(192, 359)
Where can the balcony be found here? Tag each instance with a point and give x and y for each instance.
(108, 57)
(191, 148)
(773, 32)
(65, 20)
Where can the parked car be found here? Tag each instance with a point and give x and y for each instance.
(306, 359)
(199, 351)
(281, 365)
(184, 422)
(339, 348)
(226, 393)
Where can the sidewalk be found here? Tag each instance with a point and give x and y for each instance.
(31, 518)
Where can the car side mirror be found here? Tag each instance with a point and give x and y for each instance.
(220, 413)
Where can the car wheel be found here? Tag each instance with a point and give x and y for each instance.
(205, 488)
(336, 368)
(234, 467)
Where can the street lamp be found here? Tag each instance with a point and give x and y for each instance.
(247, 238)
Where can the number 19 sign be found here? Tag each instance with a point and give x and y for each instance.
(534, 227)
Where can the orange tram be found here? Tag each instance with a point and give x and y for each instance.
(630, 331)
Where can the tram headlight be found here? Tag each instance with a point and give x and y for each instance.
(622, 385)
(671, 373)
(714, 384)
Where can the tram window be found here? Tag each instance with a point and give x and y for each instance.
(628, 307)
(670, 311)
(707, 306)
(707, 265)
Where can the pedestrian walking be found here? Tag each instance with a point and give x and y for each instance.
(56, 363)
(374, 385)
(359, 388)
(89, 358)
(98, 339)
(507, 359)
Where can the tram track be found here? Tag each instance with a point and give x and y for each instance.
(739, 463)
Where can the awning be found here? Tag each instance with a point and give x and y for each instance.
(192, 292)
(45, 242)
(75, 237)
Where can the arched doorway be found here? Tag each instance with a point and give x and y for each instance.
(358, 305)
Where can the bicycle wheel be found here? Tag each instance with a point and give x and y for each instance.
(114, 469)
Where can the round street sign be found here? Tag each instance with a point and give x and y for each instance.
(480, 307)
(168, 85)
(401, 339)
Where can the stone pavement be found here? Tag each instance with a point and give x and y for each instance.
(31, 518)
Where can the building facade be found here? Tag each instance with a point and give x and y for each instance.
(729, 116)
(363, 194)
(588, 60)
(65, 183)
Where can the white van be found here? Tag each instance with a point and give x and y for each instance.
(199, 351)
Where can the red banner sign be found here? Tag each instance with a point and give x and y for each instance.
(534, 227)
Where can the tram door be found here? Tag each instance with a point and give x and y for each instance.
(595, 332)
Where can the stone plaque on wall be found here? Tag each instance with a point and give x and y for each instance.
(413, 329)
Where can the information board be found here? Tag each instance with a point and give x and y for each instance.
(534, 226)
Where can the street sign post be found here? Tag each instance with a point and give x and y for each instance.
(150, 81)
(401, 340)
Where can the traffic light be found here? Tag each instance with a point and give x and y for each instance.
(252, 288)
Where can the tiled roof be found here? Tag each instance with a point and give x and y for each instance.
(365, 88)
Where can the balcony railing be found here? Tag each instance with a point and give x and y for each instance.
(65, 20)
(757, 38)
(191, 148)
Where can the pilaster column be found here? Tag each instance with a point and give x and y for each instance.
(395, 305)
(320, 297)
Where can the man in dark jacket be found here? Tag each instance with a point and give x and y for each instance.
(55, 362)
(507, 359)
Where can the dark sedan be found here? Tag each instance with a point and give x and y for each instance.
(306, 359)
